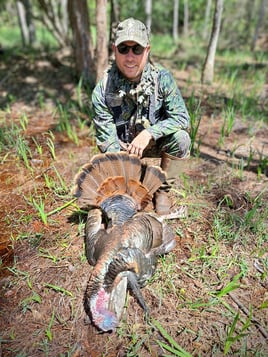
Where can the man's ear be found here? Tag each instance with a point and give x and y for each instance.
(113, 47)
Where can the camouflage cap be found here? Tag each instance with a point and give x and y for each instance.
(131, 30)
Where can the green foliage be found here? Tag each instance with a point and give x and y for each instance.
(232, 335)
(49, 334)
(172, 345)
(40, 207)
(27, 302)
(24, 151)
(231, 226)
(65, 124)
(194, 109)
(57, 185)
(232, 285)
(10, 36)
(237, 30)
(8, 136)
(51, 145)
(59, 289)
(211, 264)
(162, 44)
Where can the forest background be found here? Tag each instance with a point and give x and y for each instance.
(209, 296)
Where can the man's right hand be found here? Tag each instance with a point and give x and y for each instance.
(139, 143)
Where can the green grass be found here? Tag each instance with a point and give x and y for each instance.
(194, 109)
(66, 124)
(163, 277)
(245, 78)
(10, 37)
(159, 45)
(234, 336)
(8, 135)
(232, 226)
(171, 345)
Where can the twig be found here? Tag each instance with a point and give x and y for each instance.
(58, 209)
(180, 212)
(247, 313)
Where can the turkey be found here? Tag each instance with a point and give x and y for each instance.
(123, 237)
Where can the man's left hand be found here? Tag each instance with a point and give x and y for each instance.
(139, 143)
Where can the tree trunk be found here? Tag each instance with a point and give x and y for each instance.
(208, 69)
(186, 18)
(26, 22)
(101, 43)
(258, 24)
(82, 42)
(175, 21)
(148, 12)
(114, 20)
(207, 15)
(54, 18)
(249, 14)
(22, 23)
(65, 18)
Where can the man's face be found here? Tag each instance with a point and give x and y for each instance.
(130, 64)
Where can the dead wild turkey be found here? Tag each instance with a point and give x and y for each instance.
(122, 239)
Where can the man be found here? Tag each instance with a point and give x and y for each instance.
(139, 108)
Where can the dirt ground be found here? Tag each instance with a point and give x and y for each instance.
(44, 270)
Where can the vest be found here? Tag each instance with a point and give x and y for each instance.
(133, 107)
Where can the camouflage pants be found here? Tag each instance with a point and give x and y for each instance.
(177, 144)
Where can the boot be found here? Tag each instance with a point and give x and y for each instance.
(173, 166)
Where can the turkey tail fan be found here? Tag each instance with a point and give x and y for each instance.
(119, 163)
(153, 178)
(88, 183)
(126, 165)
(118, 170)
(112, 174)
(85, 188)
(92, 169)
(88, 180)
(130, 167)
(104, 165)
(113, 186)
(139, 193)
(133, 168)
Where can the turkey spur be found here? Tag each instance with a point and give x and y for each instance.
(123, 238)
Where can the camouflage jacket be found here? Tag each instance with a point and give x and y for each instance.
(122, 109)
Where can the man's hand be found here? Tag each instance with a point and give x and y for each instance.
(139, 143)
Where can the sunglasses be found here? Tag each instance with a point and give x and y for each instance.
(136, 49)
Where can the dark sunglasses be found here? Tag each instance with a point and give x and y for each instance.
(124, 49)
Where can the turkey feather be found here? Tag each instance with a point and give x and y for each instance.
(122, 239)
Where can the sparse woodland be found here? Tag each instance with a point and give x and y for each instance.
(208, 296)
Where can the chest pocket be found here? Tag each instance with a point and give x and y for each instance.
(114, 102)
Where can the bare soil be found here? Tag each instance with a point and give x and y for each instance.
(44, 271)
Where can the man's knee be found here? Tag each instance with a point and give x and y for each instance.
(180, 144)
